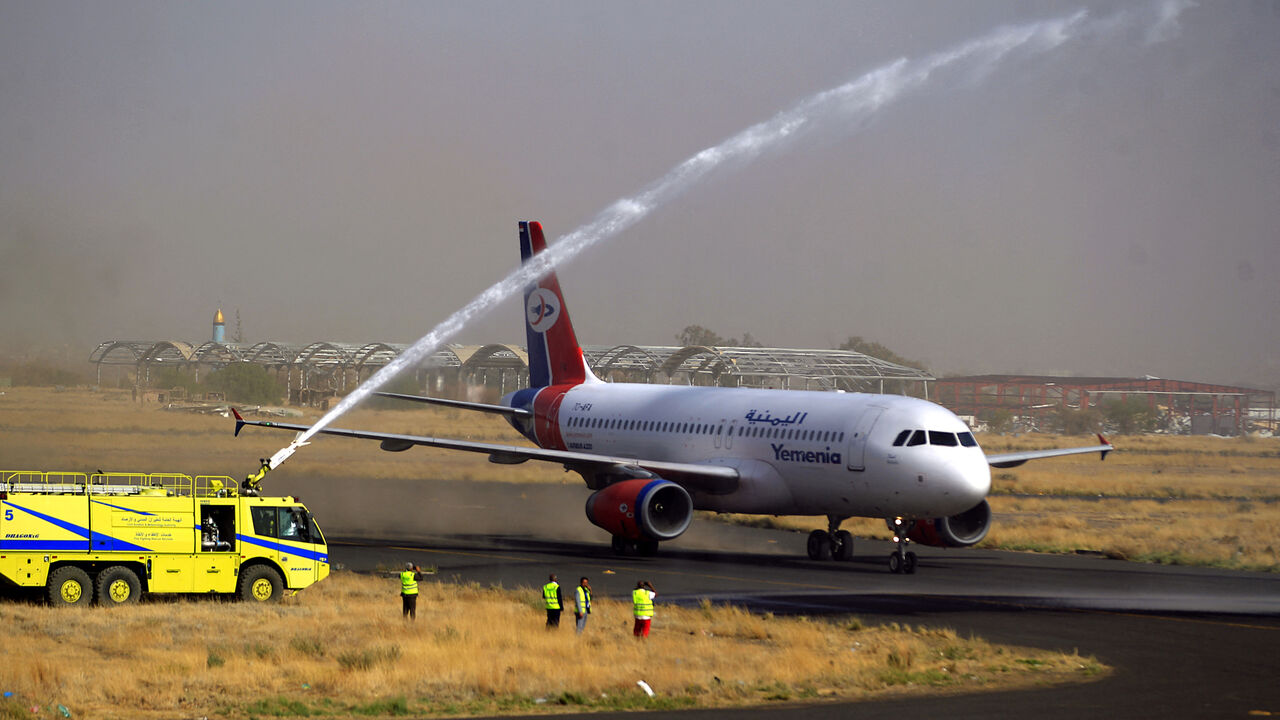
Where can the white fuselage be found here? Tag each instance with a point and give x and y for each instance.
(798, 452)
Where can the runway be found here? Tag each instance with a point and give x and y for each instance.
(1183, 642)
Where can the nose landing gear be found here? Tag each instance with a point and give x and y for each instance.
(901, 561)
(831, 544)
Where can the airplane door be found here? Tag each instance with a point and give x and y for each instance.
(858, 443)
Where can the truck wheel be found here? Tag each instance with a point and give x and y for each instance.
(260, 583)
(69, 585)
(118, 585)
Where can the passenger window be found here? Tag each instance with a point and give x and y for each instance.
(917, 438)
(966, 439)
(937, 437)
(902, 437)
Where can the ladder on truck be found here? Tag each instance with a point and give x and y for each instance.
(78, 483)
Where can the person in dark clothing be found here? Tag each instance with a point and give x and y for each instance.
(552, 601)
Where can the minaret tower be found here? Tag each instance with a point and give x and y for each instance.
(219, 327)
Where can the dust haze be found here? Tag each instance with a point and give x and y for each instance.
(421, 509)
(355, 173)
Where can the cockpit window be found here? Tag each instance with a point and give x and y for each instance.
(917, 438)
(937, 437)
(902, 437)
(966, 439)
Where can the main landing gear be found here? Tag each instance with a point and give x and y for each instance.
(625, 546)
(901, 562)
(832, 543)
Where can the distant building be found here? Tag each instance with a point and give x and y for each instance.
(1189, 407)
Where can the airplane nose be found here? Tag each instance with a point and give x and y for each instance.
(968, 482)
(975, 479)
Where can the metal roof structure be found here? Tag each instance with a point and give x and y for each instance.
(508, 365)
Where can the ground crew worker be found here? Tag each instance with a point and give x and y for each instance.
(581, 605)
(409, 578)
(552, 600)
(642, 603)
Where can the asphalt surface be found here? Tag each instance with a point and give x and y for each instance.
(1183, 642)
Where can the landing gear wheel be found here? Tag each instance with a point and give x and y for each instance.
(118, 585)
(909, 564)
(901, 561)
(260, 583)
(647, 548)
(621, 546)
(68, 586)
(819, 546)
(844, 546)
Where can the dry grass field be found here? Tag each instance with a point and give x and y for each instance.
(340, 649)
(41, 429)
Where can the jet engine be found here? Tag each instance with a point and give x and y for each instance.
(962, 530)
(641, 509)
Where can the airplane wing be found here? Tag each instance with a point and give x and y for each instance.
(460, 404)
(709, 478)
(1008, 460)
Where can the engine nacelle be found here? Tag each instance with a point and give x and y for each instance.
(642, 509)
(962, 530)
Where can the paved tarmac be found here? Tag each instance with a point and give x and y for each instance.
(1184, 642)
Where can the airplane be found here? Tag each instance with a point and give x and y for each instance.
(653, 454)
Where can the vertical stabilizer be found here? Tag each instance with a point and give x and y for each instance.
(554, 355)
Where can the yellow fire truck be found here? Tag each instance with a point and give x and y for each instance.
(113, 536)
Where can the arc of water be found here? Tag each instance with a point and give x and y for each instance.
(851, 104)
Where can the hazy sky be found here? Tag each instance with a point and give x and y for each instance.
(354, 172)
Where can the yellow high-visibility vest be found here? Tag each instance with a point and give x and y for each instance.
(643, 603)
(584, 600)
(550, 597)
(408, 585)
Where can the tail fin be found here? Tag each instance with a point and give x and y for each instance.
(554, 355)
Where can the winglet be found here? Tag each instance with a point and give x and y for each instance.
(1104, 441)
(239, 421)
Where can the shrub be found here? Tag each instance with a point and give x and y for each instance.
(246, 382)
